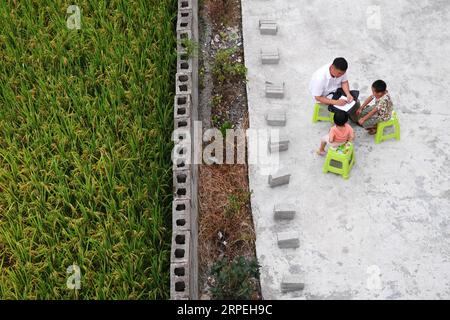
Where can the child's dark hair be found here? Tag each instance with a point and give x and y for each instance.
(379, 86)
(340, 64)
(340, 118)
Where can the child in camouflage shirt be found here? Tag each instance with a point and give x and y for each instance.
(368, 116)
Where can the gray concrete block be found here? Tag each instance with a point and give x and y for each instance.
(284, 212)
(180, 164)
(268, 27)
(276, 119)
(184, 62)
(181, 156)
(182, 123)
(278, 147)
(183, 83)
(179, 281)
(290, 283)
(184, 5)
(288, 240)
(279, 179)
(181, 214)
(275, 91)
(181, 246)
(182, 181)
(183, 106)
(184, 19)
(181, 36)
(180, 135)
(279, 144)
(270, 56)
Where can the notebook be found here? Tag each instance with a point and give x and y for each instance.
(346, 107)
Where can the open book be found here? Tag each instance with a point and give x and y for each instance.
(346, 107)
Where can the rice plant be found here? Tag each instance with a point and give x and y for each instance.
(85, 168)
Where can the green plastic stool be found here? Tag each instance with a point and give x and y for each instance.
(393, 122)
(317, 117)
(345, 155)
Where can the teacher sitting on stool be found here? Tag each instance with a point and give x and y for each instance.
(330, 82)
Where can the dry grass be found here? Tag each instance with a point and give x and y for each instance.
(221, 235)
(225, 12)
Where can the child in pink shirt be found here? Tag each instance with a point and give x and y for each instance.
(339, 134)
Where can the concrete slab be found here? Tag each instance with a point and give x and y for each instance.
(276, 119)
(284, 212)
(384, 233)
(292, 283)
(279, 179)
(288, 240)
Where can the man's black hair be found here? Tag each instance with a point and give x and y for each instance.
(340, 64)
(379, 86)
(340, 118)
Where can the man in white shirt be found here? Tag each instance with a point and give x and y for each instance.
(330, 82)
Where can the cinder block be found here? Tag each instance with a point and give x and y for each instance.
(183, 83)
(182, 106)
(179, 281)
(290, 283)
(288, 240)
(181, 247)
(270, 56)
(181, 36)
(276, 119)
(279, 145)
(275, 91)
(184, 5)
(182, 184)
(279, 179)
(180, 164)
(180, 135)
(181, 157)
(268, 27)
(184, 62)
(182, 123)
(281, 139)
(284, 212)
(181, 214)
(184, 19)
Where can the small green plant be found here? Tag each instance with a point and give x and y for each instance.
(191, 47)
(215, 121)
(224, 68)
(224, 127)
(235, 280)
(201, 77)
(217, 100)
(236, 201)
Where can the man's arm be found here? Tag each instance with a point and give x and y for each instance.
(325, 100)
(346, 88)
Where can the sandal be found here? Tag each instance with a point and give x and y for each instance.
(321, 153)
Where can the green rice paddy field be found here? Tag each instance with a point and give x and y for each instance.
(85, 128)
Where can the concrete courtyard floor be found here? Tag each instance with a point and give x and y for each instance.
(384, 233)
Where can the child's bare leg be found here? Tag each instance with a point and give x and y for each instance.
(322, 146)
(321, 151)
